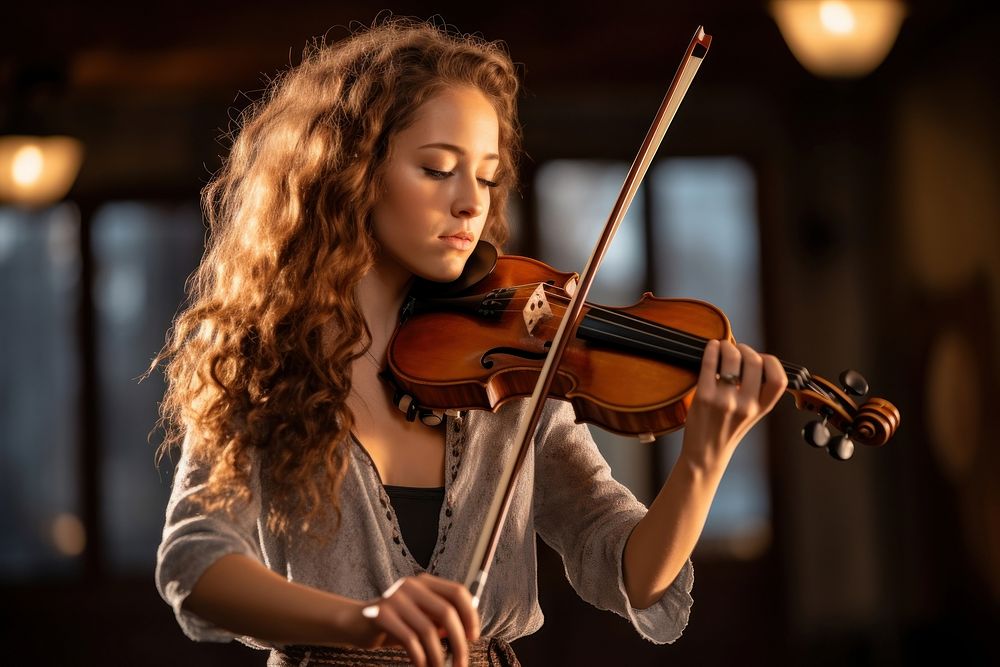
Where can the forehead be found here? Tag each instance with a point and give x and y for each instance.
(460, 116)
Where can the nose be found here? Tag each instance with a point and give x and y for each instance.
(471, 198)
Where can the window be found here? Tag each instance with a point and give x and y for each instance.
(706, 244)
(142, 252)
(40, 527)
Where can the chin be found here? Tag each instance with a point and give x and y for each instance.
(442, 273)
(443, 276)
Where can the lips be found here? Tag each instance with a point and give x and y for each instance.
(462, 241)
(462, 236)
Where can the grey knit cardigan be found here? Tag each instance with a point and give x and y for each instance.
(565, 494)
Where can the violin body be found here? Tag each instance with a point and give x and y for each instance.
(464, 355)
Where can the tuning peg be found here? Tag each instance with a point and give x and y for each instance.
(841, 447)
(816, 433)
(854, 383)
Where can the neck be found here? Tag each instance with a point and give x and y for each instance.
(381, 292)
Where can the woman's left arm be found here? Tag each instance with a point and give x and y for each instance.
(722, 412)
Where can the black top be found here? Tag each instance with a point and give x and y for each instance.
(417, 511)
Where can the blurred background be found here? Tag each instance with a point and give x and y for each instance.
(844, 216)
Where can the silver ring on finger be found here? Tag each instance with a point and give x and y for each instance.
(728, 378)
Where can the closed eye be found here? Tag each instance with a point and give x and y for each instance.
(439, 175)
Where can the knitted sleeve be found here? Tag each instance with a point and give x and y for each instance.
(587, 517)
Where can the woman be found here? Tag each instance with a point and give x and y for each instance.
(308, 515)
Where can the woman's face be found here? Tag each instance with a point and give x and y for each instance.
(437, 185)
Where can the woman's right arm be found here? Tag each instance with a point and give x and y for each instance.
(240, 594)
(211, 571)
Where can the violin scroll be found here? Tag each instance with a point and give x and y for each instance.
(871, 423)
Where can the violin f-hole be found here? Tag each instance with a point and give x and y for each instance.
(487, 362)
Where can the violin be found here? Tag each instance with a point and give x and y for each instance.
(480, 342)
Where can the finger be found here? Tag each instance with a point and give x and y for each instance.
(419, 622)
(729, 363)
(390, 621)
(709, 366)
(445, 616)
(752, 374)
(775, 381)
(460, 599)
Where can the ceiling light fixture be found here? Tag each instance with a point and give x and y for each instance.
(839, 38)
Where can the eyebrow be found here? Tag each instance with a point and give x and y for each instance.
(458, 151)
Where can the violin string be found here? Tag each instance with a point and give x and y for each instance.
(677, 354)
(666, 338)
(691, 346)
(793, 371)
(676, 334)
(670, 341)
(801, 374)
(679, 344)
(679, 350)
(653, 330)
(695, 341)
(671, 335)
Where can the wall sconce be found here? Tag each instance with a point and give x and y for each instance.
(37, 171)
(839, 38)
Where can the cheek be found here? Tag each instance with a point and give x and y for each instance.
(480, 223)
(398, 210)
(416, 192)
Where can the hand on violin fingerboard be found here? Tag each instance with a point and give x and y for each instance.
(737, 387)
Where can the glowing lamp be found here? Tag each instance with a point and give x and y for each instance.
(36, 171)
(839, 38)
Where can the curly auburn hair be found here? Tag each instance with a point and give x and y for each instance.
(249, 375)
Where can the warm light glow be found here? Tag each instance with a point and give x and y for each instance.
(37, 171)
(68, 535)
(839, 38)
(837, 17)
(26, 167)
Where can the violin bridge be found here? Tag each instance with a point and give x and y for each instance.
(537, 309)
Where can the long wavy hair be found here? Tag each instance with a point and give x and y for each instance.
(249, 374)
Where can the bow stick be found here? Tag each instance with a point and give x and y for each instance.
(486, 546)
